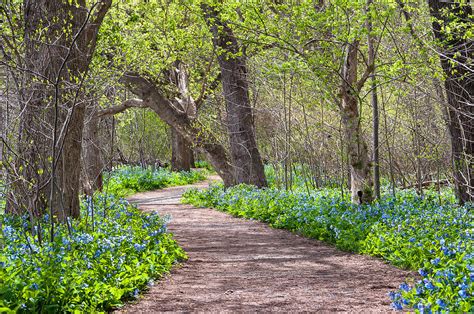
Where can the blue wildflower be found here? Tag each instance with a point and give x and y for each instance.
(420, 290)
(463, 294)
(391, 295)
(441, 303)
(404, 286)
(135, 293)
(429, 285)
(446, 252)
(450, 274)
(139, 247)
(397, 306)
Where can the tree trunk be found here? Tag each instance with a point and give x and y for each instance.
(361, 180)
(374, 101)
(246, 161)
(192, 160)
(66, 197)
(91, 157)
(456, 51)
(181, 153)
(59, 42)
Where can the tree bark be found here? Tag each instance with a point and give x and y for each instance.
(181, 153)
(91, 157)
(246, 160)
(92, 162)
(56, 60)
(456, 53)
(361, 180)
(182, 156)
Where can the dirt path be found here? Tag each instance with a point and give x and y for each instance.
(237, 265)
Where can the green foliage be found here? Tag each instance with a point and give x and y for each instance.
(408, 230)
(149, 36)
(204, 165)
(108, 255)
(128, 180)
(141, 134)
(95, 263)
(299, 177)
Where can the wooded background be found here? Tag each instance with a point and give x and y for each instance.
(366, 95)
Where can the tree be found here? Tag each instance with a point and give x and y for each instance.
(168, 110)
(246, 161)
(361, 180)
(182, 155)
(452, 27)
(92, 164)
(374, 100)
(60, 39)
(171, 62)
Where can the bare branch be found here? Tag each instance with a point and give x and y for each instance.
(129, 103)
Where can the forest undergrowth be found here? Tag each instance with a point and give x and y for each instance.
(94, 263)
(127, 180)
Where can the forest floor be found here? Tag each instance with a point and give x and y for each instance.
(238, 265)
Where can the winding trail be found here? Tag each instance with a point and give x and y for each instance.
(238, 265)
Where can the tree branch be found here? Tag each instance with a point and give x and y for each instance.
(104, 6)
(92, 28)
(368, 71)
(152, 96)
(206, 89)
(129, 103)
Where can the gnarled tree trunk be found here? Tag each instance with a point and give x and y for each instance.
(246, 160)
(179, 120)
(457, 53)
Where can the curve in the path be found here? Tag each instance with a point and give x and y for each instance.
(238, 265)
